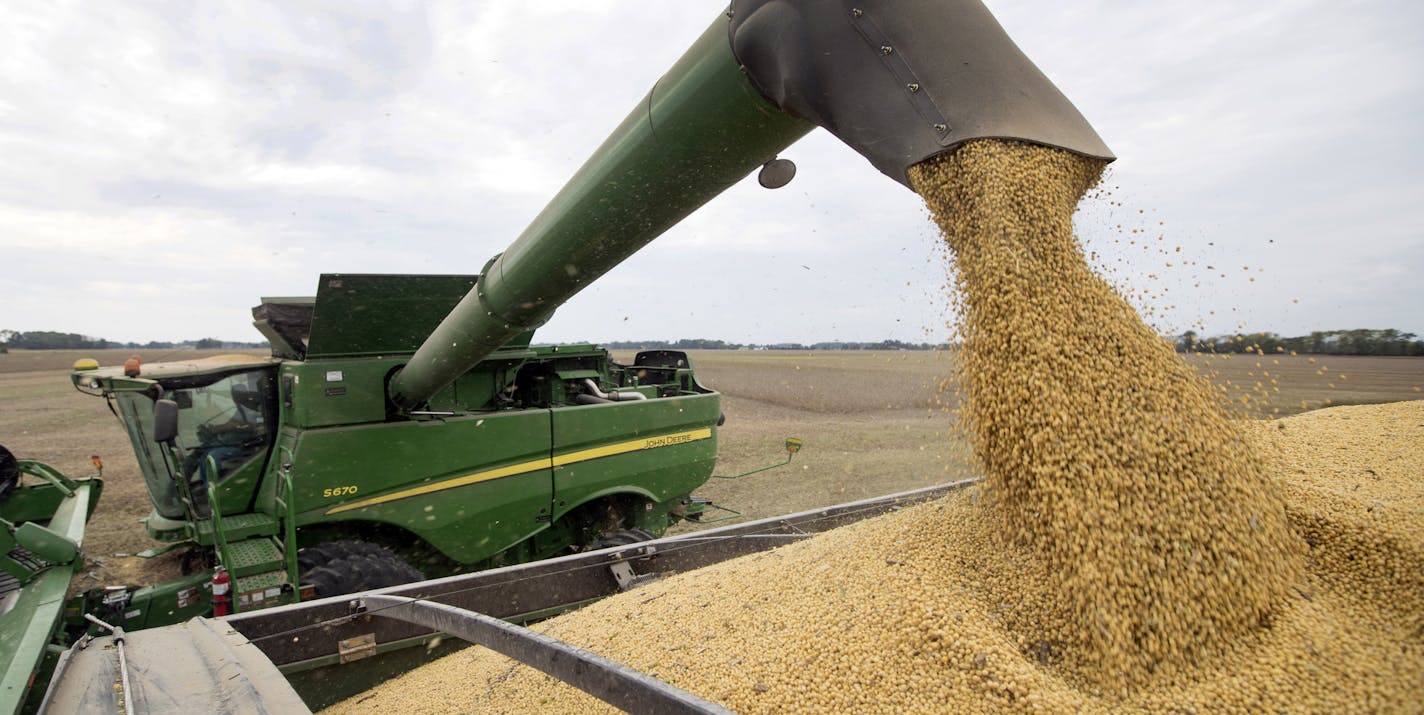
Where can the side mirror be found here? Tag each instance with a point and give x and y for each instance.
(165, 421)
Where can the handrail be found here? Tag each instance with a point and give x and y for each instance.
(219, 535)
(63, 484)
(289, 531)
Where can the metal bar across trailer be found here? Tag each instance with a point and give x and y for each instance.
(614, 683)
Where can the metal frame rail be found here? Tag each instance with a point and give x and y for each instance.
(316, 634)
(612, 682)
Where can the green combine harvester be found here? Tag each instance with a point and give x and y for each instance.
(299, 469)
(404, 427)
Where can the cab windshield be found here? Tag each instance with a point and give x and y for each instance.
(227, 421)
(228, 417)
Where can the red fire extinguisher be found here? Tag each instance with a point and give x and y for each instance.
(222, 602)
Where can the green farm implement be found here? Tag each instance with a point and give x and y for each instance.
(41, 533)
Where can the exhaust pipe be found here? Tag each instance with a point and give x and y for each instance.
(614, 396)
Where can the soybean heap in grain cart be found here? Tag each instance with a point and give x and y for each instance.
(411, 412)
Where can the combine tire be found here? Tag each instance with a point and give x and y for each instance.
(315, 556)
(9, 474)
(621, 537)
(341, 567)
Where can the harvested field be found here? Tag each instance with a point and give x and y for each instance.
(868, 421)
(874, 422)
(1307, 382)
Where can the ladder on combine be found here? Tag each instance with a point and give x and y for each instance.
(255, 553)
(259, 555)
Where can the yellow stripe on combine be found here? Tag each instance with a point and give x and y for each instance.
(636, 445)
(477, 477)
(584, 455)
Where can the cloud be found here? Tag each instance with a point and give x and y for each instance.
(206, 155)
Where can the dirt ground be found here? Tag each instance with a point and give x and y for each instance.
(872, 423)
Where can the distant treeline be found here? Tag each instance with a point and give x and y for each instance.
(1360, 341)
(1321, 342)
(703, 344)
(50, 340)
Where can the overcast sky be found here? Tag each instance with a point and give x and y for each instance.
(162, 167)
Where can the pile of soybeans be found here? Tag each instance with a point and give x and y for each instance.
(1131, 548)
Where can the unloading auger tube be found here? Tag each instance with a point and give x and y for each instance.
(898, 82)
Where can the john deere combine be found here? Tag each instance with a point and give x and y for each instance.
(404, 425)
(301, 469)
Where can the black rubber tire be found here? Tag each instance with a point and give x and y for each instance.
(195, 560)
(620, 537)
(9, 474)
(315, 556)
(321, 554)
(337, 568)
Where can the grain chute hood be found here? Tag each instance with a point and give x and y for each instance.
(901, 82)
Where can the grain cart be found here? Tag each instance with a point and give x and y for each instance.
(405, 422)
